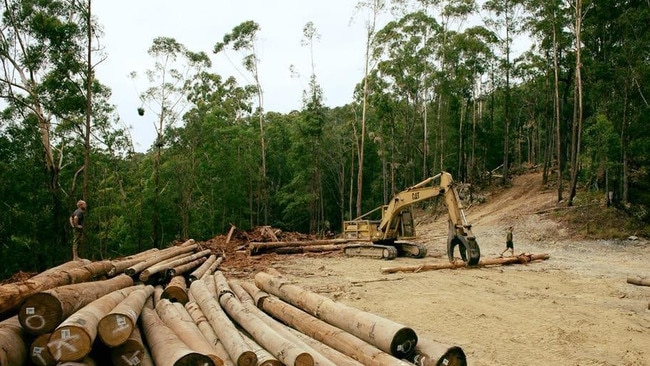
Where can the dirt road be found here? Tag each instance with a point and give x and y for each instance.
(573, 309)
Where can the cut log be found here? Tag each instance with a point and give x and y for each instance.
(520, 259)
(39, 353)
(177, 260)
(204, 325)
(164, 254)
(13, 294)
(73, 339)
(176, 290)
(240, 353)
(116, 327)
(178, 320)
(184, 268)
(261, 247)
(249, 304)
(230, 232)
(157, 294)
(264, 357)
(199, 272)
(42, 312)
(165, 346)
(13, 351)
(385, 334)
(285, 351)
(317, 329)
(213, 268)
(638, 281)
(119, 265)
(130, 352)
(308, 249)
(431, 353)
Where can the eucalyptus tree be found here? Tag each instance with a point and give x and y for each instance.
(506, 20)
(468, 55)
(243, 37)
(374, 8)
(616, 46)
(174, 67)
(548, 23)
(405, 47)
(43, 50)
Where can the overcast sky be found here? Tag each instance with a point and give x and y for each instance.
(130, 28)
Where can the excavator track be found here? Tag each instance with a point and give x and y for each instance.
(409, 249)
(370, 251)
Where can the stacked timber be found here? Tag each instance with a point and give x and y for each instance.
(198, 316)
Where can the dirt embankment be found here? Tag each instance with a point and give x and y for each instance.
(573, 309)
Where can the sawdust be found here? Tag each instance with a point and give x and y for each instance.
(574, 309)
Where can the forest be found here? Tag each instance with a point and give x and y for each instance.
(433, 98)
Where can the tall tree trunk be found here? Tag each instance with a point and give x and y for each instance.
(558, 129)
(577, 123)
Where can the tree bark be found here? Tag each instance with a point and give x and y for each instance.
(44, 311)
(522, 258)
(73, 339)
(116, 327)
(176, 290)
(199, 272)
(165, 346)
(258, 247)
(13, 351)
(119, 265)
(204, 325)
(315, 328)
(186, 247)
(178, 320)
(249, 304)
(212, 268)
(385, 334)
(163, 266)
(184, 268)
(228, 334)
(13, 294)
(285, 351)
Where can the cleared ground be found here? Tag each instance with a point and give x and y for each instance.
(574, 309)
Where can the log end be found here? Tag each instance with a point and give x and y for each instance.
(175, 294)
(247, 358)
(193, 359)
(39, 353)
(68, 343)
(40, 313)
(128, 353)
(304, 359)
(453, 356)
(403, 343)
(114, 329)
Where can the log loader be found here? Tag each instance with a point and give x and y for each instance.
(389, 237)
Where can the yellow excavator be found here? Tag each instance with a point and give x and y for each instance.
(389, 237)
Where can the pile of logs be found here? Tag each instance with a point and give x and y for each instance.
(174, 307)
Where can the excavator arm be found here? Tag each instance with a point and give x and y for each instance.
(460, 231)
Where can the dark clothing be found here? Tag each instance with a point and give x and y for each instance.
(79, 213)
(509, 243)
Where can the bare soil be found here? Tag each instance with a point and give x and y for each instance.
(575, 308)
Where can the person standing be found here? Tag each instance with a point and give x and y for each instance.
(77, 223)
(509, 244)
